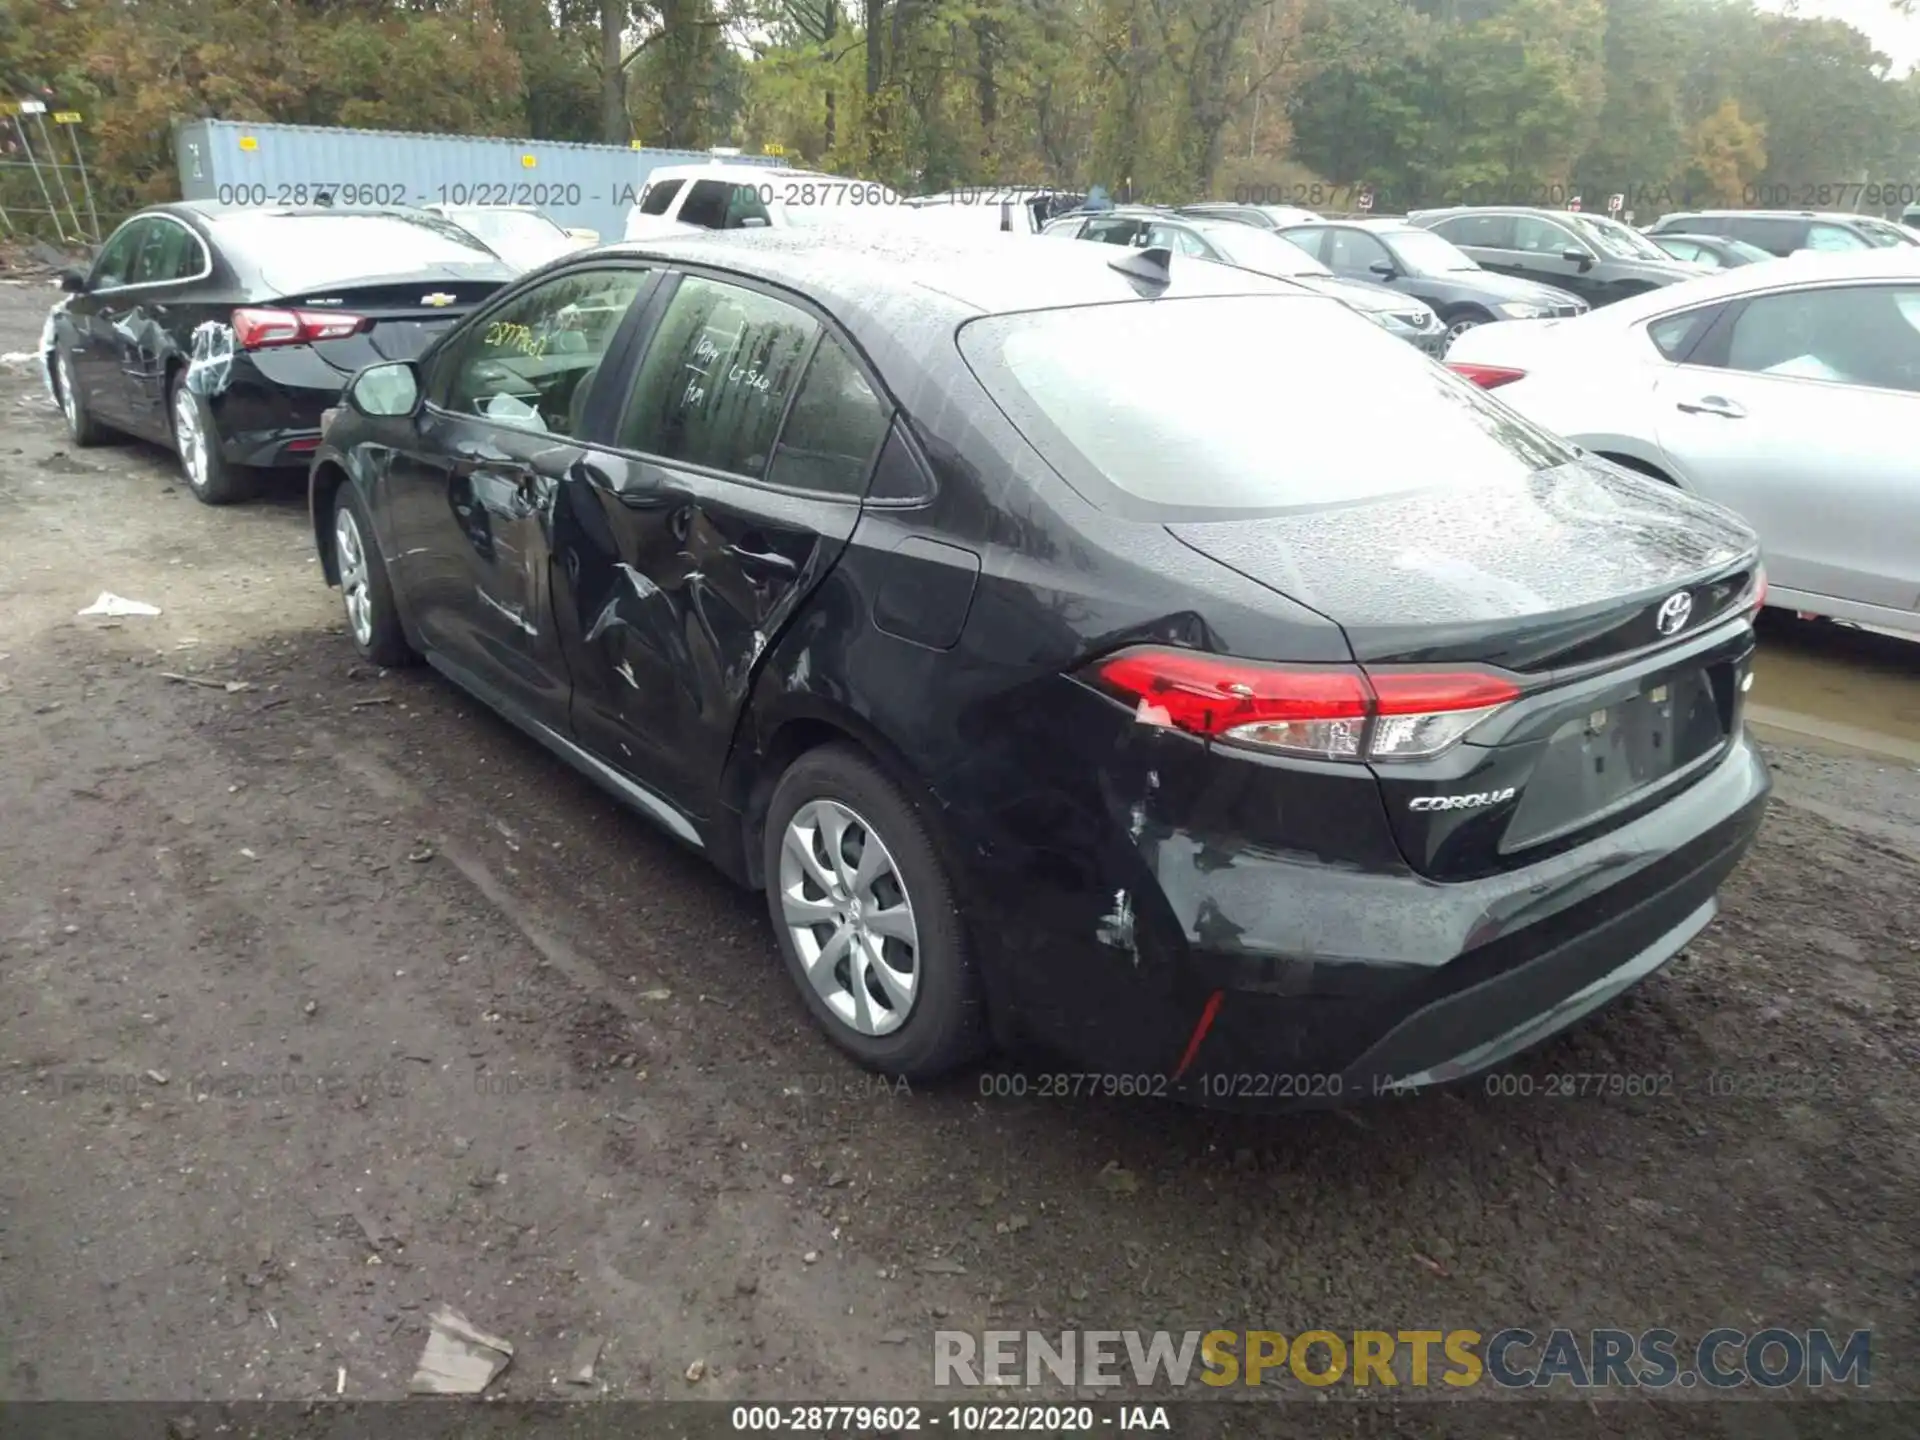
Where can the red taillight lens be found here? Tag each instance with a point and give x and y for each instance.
(1332, 712)
(258, 328)
(1487, 377)
(1757, 598)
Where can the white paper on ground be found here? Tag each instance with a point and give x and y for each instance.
(111, 604)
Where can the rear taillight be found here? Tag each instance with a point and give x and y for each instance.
(1330, 712)
(1757, 596)
(1487, 377)
(255, 328)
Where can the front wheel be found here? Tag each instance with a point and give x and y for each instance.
(1462, 321)
(208, 475)
(865, 915)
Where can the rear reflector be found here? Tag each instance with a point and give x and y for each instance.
(1331, 712)
(312, 442)
(257, 328)
(1487, 377)
(1757, 598)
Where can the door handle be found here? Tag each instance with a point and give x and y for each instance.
(1713, 405)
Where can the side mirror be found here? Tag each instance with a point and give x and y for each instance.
(73, 280)
(1384, 269)
(388, 389)
(1578, 257)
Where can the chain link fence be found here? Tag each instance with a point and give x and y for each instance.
(45, 192)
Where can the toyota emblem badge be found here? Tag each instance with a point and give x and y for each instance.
(1674, 613)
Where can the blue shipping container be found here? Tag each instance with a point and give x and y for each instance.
(587, 187)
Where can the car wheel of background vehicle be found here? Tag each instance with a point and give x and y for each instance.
(73, 405)
(865, 917)
(1461, 321)
(212, 480)
(373, 622)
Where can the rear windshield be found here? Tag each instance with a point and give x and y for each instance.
(316, 252)
(1243, 403)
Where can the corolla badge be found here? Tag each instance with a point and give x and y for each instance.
(439, 297)
(1478, 801)
(1674, 612)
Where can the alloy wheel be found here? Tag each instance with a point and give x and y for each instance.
(1460, 327)
(189, 438)
(847, 910)
(351, 555)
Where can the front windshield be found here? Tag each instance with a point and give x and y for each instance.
(1617, 239)
(1260, 250)
(1424, 253)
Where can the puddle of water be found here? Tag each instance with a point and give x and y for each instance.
(1856, 689)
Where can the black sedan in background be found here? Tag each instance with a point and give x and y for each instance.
(1119, 651)
(1594, 256)
(1417, 262)
(224, 332)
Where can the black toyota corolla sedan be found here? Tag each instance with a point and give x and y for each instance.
(1139, 656)
(224, 332)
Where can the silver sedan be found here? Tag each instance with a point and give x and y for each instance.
(1788, 391)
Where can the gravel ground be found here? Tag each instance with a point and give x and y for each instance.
(548, 1069)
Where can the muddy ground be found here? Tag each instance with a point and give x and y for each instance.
(545, 1065)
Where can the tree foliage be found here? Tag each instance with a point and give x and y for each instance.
(1423, 101)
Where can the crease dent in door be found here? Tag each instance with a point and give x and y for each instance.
(609, 617)
(511, 612)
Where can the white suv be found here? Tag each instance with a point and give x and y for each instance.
(719, 196)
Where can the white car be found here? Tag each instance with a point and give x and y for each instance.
(1789, 392)
(717, 196)
(518, 234)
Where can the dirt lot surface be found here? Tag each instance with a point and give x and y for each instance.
(328, 999)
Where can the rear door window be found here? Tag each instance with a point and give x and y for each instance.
(1543, 237)
(1246, 427)
(716, 379)
(168, 252)
(834, 430)
(1488, 232)
(724, 205)
(1778, 235)
(657, 198)
(1849, 334)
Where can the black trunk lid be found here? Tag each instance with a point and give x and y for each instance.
(1616, 604)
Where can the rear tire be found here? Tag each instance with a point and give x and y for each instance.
(373, 620)
(197, 442)
(868, 926)
(82, 428)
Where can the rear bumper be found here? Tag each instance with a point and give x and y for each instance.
(269, 413)
(1271, 983)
